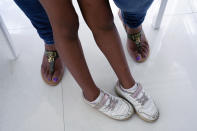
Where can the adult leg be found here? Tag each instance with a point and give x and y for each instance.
(106, 36)
(39, 19)
(132, 14)
(64, 21)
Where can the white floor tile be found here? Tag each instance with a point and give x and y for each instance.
(168, 75)
(13, 17)
(174, 7)
(193, 5)
(4, 49)
(26, 102)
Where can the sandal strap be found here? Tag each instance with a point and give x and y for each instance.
(51, 56)
(136, 38)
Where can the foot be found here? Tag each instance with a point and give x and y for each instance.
(141, 101)
(52, 77)
(137, 43)
(138, 50)
(112, 106)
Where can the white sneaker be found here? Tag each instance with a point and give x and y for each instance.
(112, 106)
(141, 101)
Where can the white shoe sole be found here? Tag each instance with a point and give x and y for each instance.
(143, 118)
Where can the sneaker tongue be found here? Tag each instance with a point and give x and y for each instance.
(132, 89)
(136, 90)
(103, 99)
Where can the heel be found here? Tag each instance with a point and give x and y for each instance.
(116, 91)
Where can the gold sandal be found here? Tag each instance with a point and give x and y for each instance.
(136, 38)
(51, 57)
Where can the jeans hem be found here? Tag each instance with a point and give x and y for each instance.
(49, 42)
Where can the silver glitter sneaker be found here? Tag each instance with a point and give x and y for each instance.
(141, 101)
(112, 106)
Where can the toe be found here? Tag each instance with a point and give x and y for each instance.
(138, 57)
(56, 76)
(144, 52)
(49, 75)
(44, 71)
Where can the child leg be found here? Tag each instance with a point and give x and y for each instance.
(65, 26)
(98, 15)
(99, 18)
(64, 21)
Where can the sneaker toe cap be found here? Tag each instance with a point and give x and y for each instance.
(150, 114)
(126, 112)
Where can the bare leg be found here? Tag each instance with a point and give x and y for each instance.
(64, 21)
(99, 18)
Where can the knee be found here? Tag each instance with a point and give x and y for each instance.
(102, 25)
(66, 29)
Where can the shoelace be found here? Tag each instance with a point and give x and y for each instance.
(142, 100)
(111, 104)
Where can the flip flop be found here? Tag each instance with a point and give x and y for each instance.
(51, 58)
(137, 39)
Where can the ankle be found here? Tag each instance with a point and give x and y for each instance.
(133, 30)
(128, 85)
(50, 47)
(91, 95)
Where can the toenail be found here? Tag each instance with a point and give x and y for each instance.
(49, 79)
(138, 58)
(55, 79)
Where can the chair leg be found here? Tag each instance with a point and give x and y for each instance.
(160, 14)
(8, 38)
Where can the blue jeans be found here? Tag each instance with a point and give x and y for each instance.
(133, 11)
(38, 17)
(133, 14)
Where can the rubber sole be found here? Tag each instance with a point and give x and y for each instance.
(51, 83)
(117, 119)
(132, 112)
(141, 117)
(142, 60)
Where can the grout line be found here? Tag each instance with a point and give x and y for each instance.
(63, 106)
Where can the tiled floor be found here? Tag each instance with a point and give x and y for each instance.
(28, 104)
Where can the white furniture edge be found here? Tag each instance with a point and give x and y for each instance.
(159, 17)
(7, 37)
